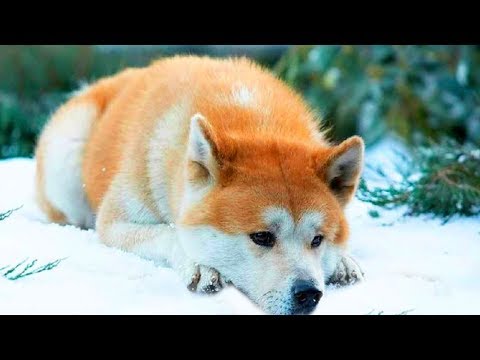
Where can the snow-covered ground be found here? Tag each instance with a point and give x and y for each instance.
(412, 265)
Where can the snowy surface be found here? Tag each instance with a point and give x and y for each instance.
(412, 265)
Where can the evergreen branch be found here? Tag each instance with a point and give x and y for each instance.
(6, 214)
(446, 182)
(14, 268)
(28, 269)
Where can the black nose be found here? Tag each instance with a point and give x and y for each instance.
(306, 296)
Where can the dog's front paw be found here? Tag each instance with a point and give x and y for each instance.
(347, 272)
(200, 278)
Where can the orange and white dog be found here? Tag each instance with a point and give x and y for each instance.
(213, 166)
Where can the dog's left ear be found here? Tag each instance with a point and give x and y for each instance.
(202, 150)
(342, 167)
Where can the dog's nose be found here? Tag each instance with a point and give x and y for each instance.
(306, 296)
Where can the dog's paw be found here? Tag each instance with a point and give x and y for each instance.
(204, 279)
(347, 272)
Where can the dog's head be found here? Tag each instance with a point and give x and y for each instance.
(268, 214)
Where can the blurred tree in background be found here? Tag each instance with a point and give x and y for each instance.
(416, 91)
(34, 80)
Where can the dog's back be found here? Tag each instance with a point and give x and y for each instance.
(109, 125)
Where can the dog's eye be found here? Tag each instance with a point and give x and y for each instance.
(317, 240)
(263, 238)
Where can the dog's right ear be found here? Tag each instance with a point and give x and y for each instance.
(341, 168)
(202, 150)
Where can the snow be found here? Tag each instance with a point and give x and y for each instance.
(412, 265)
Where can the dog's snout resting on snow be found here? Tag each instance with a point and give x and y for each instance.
(214, 166)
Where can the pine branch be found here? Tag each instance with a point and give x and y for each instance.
(4, 215)
(28, 269)
(441, 180)
(12, 269)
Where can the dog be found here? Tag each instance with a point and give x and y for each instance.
(213, 166)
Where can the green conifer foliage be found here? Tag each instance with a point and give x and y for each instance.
(24, 268)
(35, 79)
(416, 91)
(441, 180)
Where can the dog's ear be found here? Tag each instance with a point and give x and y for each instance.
(202, 150)
(342, 167)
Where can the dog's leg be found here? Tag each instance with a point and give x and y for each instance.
(347, 272)
(157, 242)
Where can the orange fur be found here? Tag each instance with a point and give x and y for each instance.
(269, 151)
